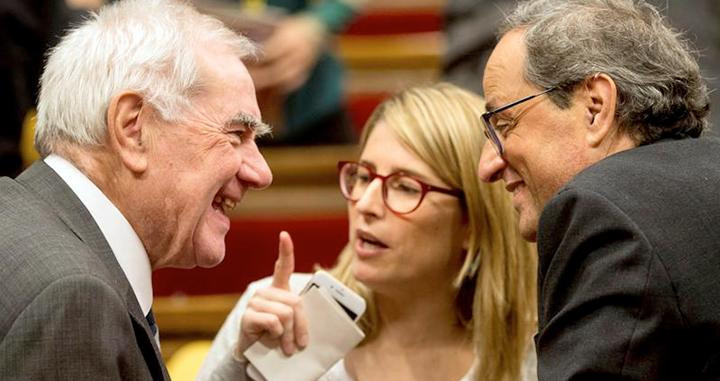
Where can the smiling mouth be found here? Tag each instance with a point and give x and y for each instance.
(223, 204)
(511, 187)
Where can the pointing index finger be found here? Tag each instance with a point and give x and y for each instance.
(285, 264)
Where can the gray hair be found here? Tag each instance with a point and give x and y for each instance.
(147, 46)
(660, 89)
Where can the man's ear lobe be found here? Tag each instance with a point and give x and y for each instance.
(127, 132)
(600, 108)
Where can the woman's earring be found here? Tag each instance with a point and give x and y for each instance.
(472, 271)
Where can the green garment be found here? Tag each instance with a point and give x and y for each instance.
(322, 94)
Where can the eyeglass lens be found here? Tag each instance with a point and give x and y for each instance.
(402, 194)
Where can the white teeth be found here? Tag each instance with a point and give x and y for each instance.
(224, 204)
(369, 245)
(228, 204)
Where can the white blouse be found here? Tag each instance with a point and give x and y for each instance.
(221, 365)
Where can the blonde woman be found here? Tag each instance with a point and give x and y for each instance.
(449, 283)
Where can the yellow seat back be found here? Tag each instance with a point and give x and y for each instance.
(185, 363)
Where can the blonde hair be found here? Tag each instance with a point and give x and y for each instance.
(496, 284)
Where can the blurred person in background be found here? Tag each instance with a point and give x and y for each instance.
(27, 29)
(147, 120)
(449, 283)
(470, 27)
(298, 79)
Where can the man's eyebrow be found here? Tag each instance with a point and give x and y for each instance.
(491, 104)
(259, 127)
(493, 108)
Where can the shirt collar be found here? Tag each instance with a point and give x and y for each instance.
(119, 234)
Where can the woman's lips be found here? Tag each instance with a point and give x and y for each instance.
(367, 244)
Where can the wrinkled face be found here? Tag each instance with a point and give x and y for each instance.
(394, 252)
(544, 144)
(201, 167)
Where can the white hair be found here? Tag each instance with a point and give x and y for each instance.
(146, 46)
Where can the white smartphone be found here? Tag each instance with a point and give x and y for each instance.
(352, 303)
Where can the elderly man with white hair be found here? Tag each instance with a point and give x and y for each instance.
(147, 120)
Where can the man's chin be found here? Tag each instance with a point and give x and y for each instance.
(208, 248)
(527, 227)
(210, 259)
(530, 236)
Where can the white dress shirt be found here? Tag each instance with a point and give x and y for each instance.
(124, 242)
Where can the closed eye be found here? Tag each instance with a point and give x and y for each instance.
(504, 126)
(241, 135)
(246, 127)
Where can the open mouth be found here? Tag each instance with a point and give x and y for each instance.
(369, 241)
(223, 204)
(511, 187)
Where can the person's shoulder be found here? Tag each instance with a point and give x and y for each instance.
(33, 252)
(35, 256)
(29, 291)
(662, 154)
(642, 170)
(25, 219)
(648, 189)
(16, 202)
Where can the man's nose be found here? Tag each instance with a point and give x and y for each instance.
(255, 171)
(491, 164)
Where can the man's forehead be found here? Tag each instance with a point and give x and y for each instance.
(493, 89)
(503, 79)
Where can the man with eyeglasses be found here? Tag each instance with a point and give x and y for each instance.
(595, 114)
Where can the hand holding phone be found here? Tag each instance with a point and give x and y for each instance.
(352, 303)
(331, 311)
(275, 313)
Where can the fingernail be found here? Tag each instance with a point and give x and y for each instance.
(303, 340)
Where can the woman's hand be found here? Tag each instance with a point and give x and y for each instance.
(275, 314)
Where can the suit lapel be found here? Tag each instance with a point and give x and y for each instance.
(42, 180)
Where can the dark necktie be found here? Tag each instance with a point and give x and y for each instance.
(151, 321)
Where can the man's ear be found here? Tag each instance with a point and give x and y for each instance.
(127, 132)
(600, 102)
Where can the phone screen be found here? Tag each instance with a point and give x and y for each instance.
(352, 315)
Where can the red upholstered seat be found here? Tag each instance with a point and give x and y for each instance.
(251, 252)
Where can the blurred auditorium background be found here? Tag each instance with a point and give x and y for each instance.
(387, 46)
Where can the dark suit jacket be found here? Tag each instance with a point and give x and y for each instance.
(629, 277)
(67, 312)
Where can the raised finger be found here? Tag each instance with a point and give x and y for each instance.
(285, 264)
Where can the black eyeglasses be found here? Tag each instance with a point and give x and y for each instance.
(401, 193)
(493, 132)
